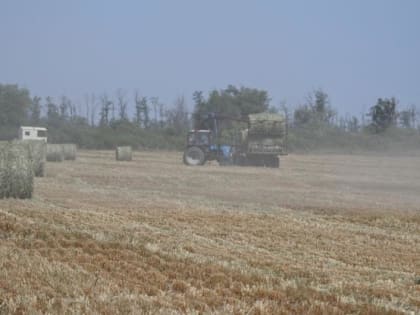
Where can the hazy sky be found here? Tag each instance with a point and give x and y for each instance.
(355, 50)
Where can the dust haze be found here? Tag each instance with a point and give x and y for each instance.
(209, 157)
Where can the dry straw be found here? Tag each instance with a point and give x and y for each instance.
(55, 153)
(267, 124)
(124, 153)
(36, 152)
(69, 151)
(16, 172)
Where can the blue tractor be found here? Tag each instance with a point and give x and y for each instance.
(259, 145)
(204, 145)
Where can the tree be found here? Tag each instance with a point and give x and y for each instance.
(14, 105)
(407, 117)
(158, 112)
(198, 99)
(302, 115)
(177, 118)
(122, 104)
(35, 110)
(106, 105)
(232, 101)
(383, 115)
(155, 104)
(162, 114)
(342, 123)
(316, 110)
(142, 111)
(53, 116)
(353, 124)
(65, 107)
(285, 109)
(320, 105)
(90, 104)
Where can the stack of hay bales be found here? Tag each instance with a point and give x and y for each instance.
(69, 151)
(124, 153)
(55, 153)
(16, 171)
(266, 132)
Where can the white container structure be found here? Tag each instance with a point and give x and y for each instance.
(33, 133)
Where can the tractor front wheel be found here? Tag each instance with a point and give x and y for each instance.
(194, 156)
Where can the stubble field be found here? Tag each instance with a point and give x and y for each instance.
(321, 235)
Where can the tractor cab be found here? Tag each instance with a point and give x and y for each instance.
(200, 138)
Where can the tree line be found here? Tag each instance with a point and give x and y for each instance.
(124, 118)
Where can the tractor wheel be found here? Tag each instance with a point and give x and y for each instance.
(194, 156)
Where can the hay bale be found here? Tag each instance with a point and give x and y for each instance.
(36, 151)
(267, 124)
(55, 153)
(257, 144)
(124, 153)
(69, 151)
(16, 172)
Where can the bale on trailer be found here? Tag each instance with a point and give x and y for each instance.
(69, 151)
(36, 151)
(55, 153)
(16, 173)
(257, 144)
(266, 124)
(124, 153)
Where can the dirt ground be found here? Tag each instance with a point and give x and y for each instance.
(324, 234)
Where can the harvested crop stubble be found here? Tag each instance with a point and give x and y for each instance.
(55, 153)
(108, 237)
(69, 151)
(16, 173)
(36, 151)
(124, 153)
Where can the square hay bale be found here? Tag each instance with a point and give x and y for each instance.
(267, 124)
(16, 172)
(124, 153)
